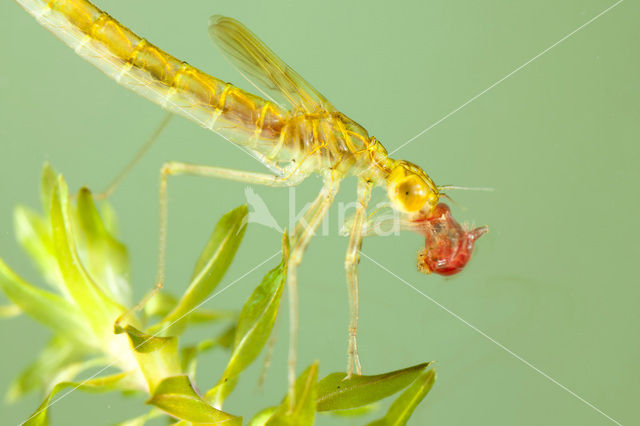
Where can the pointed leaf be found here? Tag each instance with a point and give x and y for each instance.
(162, 303)
(176, 396)
(353, 412)
(47, 308)
(47, 183)
(157, 356)
(105, 258)
(303, 411)
(99, 310)
(262, 417)
(236, 218)
(227, 337)
(211, 315)
(141, 420)
(213, 263)
(34, 235)
(406, 403)
(100, 384)
(109, 219)
(41, 373)
(337, 393)
(70, 371)
(254, 327)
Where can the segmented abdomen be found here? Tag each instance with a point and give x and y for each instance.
(135, 63)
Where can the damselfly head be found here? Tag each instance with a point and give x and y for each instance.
(409, 188)
(448, 245)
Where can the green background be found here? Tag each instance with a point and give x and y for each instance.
(555, 281)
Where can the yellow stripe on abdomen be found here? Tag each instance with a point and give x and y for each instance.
(144, 68)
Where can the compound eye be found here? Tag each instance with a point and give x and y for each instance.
(412, 193)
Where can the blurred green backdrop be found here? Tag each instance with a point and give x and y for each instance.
(555, 281)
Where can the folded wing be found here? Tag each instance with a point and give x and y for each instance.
(263, 68)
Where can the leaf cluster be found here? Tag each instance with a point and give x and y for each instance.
(85, 269)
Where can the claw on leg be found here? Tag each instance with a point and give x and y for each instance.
(354, 359)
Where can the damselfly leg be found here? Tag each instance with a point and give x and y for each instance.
(113, 185)
(304, 231)
(351, 265)
(177, 169)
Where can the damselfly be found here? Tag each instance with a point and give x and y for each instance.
(294, 132)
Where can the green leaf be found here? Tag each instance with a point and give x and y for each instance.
(99, 310)
(141, 420)
(406, 403)
(302, 413)
(261, 418)
(105, 258)
(176, 396)
(70, 371)
(236, 218)
(213, 262)
(109, 219)
(335, 392)
(227, 338)
(60, 361)
(47, 308)
(39, 374)
(100, 384)
(10, 311)
(353, 412)
(157, 356)
(211, 315)
(47, 183)
(254, 327)
(188, 354)
(34, 235)
(162, 303)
